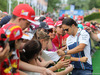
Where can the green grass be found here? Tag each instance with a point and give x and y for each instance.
(97, 20)
(96, 62)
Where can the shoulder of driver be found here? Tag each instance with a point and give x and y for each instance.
(84, 37)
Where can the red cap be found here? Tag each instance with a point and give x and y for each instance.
(61, 18)
(88, 24)
(12, 31)
(24, 11)
(83, 24)
(92, 26)
(63, 15)
(49, 21)
(58, 23)
(79, 19)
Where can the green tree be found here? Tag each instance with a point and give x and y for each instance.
(85, 4)
(52, 5)
(80, 4)
(3, 5)
(97, 5)
(92, 4)
(14, 4)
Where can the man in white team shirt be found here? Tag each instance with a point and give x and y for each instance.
(78, 45)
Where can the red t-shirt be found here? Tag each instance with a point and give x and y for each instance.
(57, 41)
(65, 36)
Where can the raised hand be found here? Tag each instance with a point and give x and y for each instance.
(4, 52)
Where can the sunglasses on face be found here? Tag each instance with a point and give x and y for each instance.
(55, 31)
(65, 29)
(50, 30)
(45, 30)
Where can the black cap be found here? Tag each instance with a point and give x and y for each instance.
(5, 20)
(44, 25)
(41, 19)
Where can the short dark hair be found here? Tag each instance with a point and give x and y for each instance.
(14, 17)
(32, 48)
(69, 22)
(42, 13)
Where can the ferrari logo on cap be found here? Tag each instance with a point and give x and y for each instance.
(32, 16)
(24, 13)
(17, 33)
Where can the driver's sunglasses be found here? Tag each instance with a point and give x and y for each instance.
(66, 29)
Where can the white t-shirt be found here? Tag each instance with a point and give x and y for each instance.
(83, 38)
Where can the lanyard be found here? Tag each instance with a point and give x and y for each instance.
(58, 41)
(82, 64)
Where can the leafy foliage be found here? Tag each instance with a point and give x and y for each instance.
(14, 3)
(52, 5)
(3, 5)
(80, 4)
(85, 4)
(92, 17)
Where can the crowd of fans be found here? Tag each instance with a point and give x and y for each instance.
(32, 45)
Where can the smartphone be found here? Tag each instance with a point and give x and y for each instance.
(6, 41)
(67, 57)
(3, 43)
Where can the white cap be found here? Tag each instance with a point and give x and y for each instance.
(27, 36)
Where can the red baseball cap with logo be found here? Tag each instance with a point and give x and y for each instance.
(49, 21)
(88, 24)
(61, 18)
(92, 26)
(11, 31)
(24, 11)
(58, 23)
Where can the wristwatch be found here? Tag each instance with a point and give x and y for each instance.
(65, 52)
